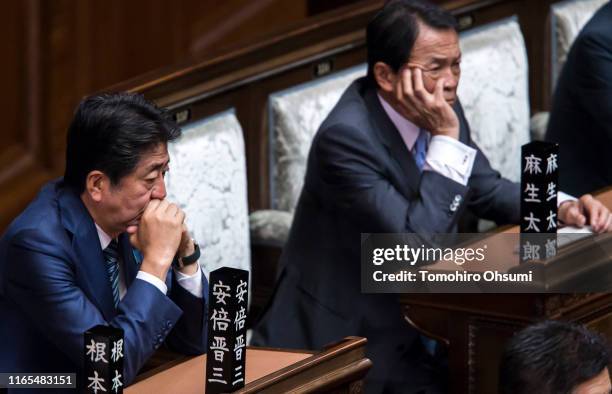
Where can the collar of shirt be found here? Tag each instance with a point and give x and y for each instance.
(408, 130)
(105, 239)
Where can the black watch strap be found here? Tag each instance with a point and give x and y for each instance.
(192, 258)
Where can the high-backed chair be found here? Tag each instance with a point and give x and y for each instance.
(494, 92)
(295, 115)
(567, 19)
(208, 178)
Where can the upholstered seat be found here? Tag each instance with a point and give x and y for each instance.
(208, 178)
(494, 92)
(295, 116)
(567, 19)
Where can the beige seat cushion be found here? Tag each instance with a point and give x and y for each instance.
(295, 116)
(494, 92)
(207, 178)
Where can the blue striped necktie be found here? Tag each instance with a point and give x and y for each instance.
(420, 149)
(112, 268)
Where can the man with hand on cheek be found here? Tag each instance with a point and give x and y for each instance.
(96, 246)
(394, 155)
(424, 92)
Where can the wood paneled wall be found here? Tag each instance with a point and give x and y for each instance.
(57, 51)
(23, 166)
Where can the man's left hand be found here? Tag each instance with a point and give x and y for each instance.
(586, 210)
(186, 248)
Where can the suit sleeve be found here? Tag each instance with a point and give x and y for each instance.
(41, 281)
(356, 183)
(190, 333)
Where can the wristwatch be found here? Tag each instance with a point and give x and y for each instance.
(181, 262)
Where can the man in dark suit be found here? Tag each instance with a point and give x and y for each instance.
(96, 248)
(394, 155)
(581, 115)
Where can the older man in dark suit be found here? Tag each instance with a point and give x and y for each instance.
(394, 155)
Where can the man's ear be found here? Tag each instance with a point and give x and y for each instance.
(95, 184)
(385, 77)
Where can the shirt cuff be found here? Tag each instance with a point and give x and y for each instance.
(563, 197)
(191, 283)
(450, 158)
(154, 280)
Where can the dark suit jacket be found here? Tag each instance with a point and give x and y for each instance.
(54, 287)
(361, 178)
(581, 115)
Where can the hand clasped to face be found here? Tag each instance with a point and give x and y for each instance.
(137, 204)
(424, 89)
(122, 205)
(437, 54)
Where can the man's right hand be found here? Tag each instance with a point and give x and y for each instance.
(158, 236)
(429, 111)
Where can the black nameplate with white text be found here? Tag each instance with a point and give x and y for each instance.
(539, 188)
(103, 360)
(227, 312)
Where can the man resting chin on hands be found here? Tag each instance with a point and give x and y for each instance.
(96, 246)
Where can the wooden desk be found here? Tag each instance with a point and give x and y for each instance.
(338, 369)
(475, 327)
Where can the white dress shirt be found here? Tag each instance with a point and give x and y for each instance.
(191, 283)
(446, 156)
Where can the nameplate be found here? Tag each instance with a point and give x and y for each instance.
(539, 188)
(227, 313)
(103, 360)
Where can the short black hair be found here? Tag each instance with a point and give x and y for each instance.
(110, 132)
(392, 32)
(551, 357)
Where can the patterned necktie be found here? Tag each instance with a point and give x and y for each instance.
(112, 268)
(420, 149)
